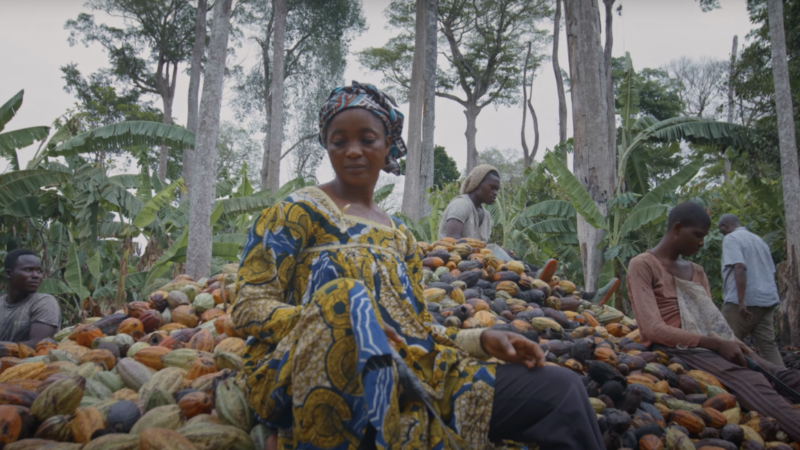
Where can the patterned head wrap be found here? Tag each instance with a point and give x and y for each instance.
(475, 178)
(372, 99)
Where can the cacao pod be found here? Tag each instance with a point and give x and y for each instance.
(85, 422)
(60, 398)
(163, 439)
(10, 425)
(231, 405)
(170, 417)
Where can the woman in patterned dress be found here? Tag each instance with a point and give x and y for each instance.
(328, 282)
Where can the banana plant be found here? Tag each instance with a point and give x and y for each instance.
(11, 141)
(638, 130)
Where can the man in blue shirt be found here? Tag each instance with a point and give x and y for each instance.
(749, 289)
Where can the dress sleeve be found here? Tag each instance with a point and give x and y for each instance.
(645, 308)
(266, 308)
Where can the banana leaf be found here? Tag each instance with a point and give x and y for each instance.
(21, 183)
(577, 194)
(72, 274)
(655, 196)
(10, 108)
(150, 210)
(125, 134)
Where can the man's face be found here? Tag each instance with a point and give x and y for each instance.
(26, 275)
(690, 239)
(725, 228)
(488, 189)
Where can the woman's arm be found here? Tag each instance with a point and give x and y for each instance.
(273, 247)
(645, 309)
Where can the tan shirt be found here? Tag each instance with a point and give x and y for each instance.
(16, 318)
(651, 287)
(462, 209)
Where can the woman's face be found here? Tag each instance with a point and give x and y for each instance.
(357, 145)
(487, 191)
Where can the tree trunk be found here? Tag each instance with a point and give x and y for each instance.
(429, 109)
(198, 253)
(194, 85)
(525, 150)
(413, 191)
(267, 112)
(276, 119)
(726, 155)
(591, 164)
(535, 121)
(611, 112)
(471, 111)
(166, 101)
(789, 166)
(562, 98)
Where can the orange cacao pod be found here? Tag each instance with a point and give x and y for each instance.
(195, 403)
(185, 315)
(100, 356)
(151, 356)
(129, 325)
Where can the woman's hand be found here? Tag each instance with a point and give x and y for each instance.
(512, 347)
(392, 334)
(732, 351)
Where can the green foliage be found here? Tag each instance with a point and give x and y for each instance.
(755, 91)
(444, 167)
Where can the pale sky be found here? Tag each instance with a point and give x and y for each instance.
(34, 46)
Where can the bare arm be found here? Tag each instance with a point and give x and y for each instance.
(740, 276)
(454, 228)
(38, 332)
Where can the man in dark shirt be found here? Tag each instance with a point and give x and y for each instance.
(25, 316)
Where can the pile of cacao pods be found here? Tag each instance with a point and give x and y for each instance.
(644, 400)
(158, 374)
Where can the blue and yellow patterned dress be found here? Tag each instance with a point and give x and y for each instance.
(314, 286)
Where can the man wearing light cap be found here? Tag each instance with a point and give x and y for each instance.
(465, 216)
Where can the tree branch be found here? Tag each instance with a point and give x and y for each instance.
(302, 139)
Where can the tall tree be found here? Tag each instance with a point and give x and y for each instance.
(562, 97)
(414, 189)
(271, 173)
(156, 39)
(789, 166)
(198, 252)
(445, 170)
(609, 80)
(317, 38)
(427, 178)
(731, 103)
(195, 71)
(701, 81)
(485, 46)
(591, 163)
(528, 154)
